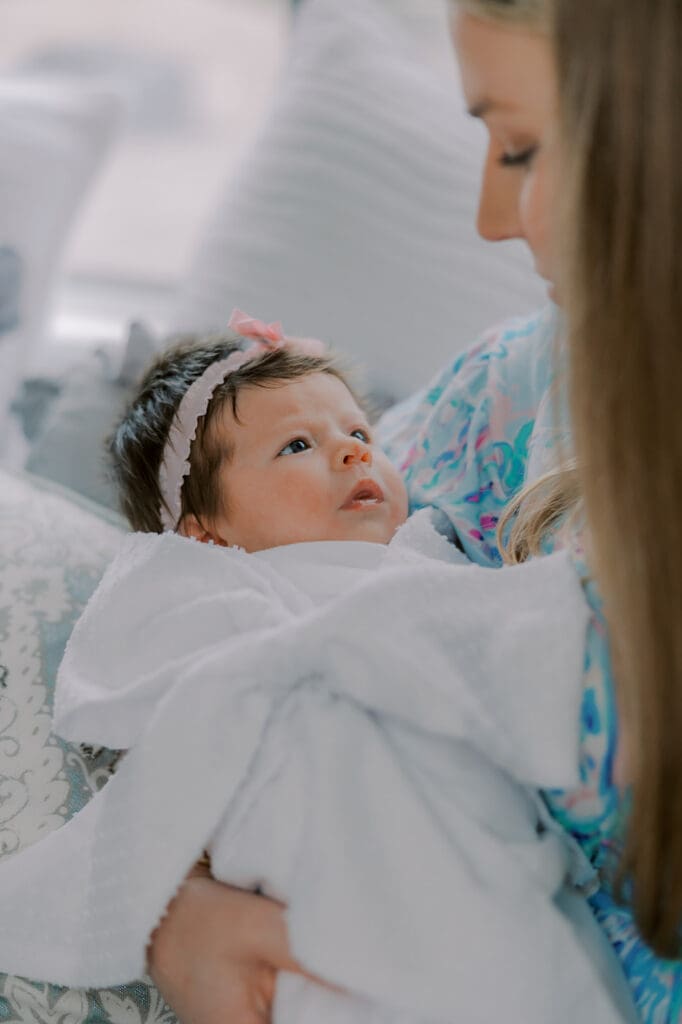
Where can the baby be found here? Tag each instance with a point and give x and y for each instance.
(274, 714)
(254, 447)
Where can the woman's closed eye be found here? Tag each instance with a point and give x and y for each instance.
(523, 158)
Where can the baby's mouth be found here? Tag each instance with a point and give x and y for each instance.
(365, 493)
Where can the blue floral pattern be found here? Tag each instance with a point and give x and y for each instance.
(467, 443)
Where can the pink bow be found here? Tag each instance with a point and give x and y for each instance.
(272, 335)
(248, 327)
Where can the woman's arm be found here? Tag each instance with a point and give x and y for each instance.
(216, 953)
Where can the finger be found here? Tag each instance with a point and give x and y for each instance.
(274, 937)
(274, 945)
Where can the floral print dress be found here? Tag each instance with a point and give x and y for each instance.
(486, 425)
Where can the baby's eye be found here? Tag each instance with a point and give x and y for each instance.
(299, 444)
(362, 435)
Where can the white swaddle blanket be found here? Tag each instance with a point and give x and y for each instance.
(354, 729)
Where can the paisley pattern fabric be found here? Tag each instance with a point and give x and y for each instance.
(469, 442)
(487, 425)
(53, 551)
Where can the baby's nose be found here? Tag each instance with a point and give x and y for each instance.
(355, 452)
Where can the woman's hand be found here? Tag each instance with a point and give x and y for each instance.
(216, 953)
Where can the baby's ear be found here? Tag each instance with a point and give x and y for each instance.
(190, 526)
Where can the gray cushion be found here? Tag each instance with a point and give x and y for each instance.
(68, 418)
(69, 447)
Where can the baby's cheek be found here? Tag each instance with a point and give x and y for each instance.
(399, 498)
(305, 510)
(307, 495)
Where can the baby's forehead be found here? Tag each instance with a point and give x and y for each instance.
(261, 408)
(323, 389)
(315, 392)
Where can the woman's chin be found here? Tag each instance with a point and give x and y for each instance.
(553, 293)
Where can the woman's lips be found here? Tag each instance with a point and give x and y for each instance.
(365, 494)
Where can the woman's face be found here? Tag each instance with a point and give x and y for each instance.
(508, 78)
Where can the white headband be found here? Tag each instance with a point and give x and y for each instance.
(175, 464)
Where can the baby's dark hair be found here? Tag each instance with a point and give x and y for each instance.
(136, 445)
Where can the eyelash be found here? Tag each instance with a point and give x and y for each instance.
(365, 439)
(522, 159)
(294, 441)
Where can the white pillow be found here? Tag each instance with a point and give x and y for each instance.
(352, 215)
(54, 548)
(53, 137)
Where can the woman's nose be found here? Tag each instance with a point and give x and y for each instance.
(498, 206)
(352, 453)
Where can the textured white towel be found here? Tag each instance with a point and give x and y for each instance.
(364, 758)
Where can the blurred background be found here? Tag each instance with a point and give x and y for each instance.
(193, 77)
(162, 161)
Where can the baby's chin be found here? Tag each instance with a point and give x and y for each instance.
(376, 526)
(372, 531)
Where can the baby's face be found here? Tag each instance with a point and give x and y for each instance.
(304, 467)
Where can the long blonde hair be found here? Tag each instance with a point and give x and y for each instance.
(620, 82)
(620, 79)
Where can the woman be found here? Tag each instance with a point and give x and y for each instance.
(489, 427)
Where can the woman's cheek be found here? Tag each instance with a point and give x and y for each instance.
(537, 220)
(499, 215)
